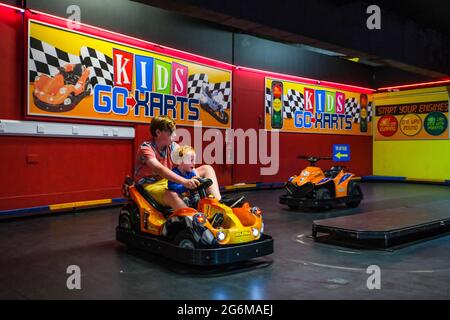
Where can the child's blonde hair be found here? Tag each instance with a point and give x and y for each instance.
(180, 152)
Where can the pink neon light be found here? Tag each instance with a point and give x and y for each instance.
(11, 7)
(416, 85)
(310, 81)
(192, 55)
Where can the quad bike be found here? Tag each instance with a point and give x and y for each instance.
(213, 233)
(64, 91)
(323, 189)
(209, 102)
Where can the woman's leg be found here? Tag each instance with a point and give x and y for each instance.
(206, 171)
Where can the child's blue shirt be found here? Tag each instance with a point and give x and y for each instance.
(178, 187)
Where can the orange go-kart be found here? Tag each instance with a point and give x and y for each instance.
(210, 233)
(316, 188)
(64, 91)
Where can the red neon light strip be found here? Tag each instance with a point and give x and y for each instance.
(345, 86)
(416, 85)
(285, 76)
(133, 38)
(309, 80)
(12, 7)
(276, 74)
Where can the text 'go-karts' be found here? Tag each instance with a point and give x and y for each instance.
(321, 189)
(64, 91)
(212, 233)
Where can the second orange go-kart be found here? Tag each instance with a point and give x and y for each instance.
(64, 91)
(314, 187)
(211, 232)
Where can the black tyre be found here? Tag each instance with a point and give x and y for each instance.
(293, 207)
(125, 220)
(129, 217)
(185, 239)
(354, 190)
(323, 194)
(68, 102)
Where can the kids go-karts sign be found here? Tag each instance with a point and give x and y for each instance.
(75, 75)
(411, 121)
(296, 107)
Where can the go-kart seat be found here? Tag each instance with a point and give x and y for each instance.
(333, 172)
(155, 204)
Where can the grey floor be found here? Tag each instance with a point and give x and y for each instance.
(35, 254)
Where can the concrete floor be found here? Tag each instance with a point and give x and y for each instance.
(35, 254)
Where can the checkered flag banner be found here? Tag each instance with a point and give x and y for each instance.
(292, 101)
(46, 59)
(222, 89)
(353, 108)
(268, 100)
(100, 66)
(195, 84)
(370, 111)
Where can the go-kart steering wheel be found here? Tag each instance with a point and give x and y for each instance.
(205, 183)
(313, 159)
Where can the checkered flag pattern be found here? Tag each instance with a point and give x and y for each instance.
(198, 80)
(195, 84)
(353, 108)
(225, 89)
(292, 101)
(268, 100)
(46, 59)
(100, 66)
(369, 111)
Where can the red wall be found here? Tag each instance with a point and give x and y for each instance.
(39, 171)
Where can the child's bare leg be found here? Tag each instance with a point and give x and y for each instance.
(206, 171)
(173, 200)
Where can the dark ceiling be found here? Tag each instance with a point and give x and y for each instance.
(434, 14)
(415, 35)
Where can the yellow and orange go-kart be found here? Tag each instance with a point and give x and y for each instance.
(316, 188)
(212, 233)
(64, 91)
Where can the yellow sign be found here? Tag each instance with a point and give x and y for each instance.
(411, 124)
(77, 75)
(410, 115)
(296, 107)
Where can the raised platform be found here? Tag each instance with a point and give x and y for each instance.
(383, 229)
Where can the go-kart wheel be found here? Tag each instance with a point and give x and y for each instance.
(129, 218)
(68, 101)
(124, 220)
(354, 190)
(89, 89)
(323, 194)
(185, 239)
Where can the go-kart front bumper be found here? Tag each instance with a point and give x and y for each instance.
(199, 257)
